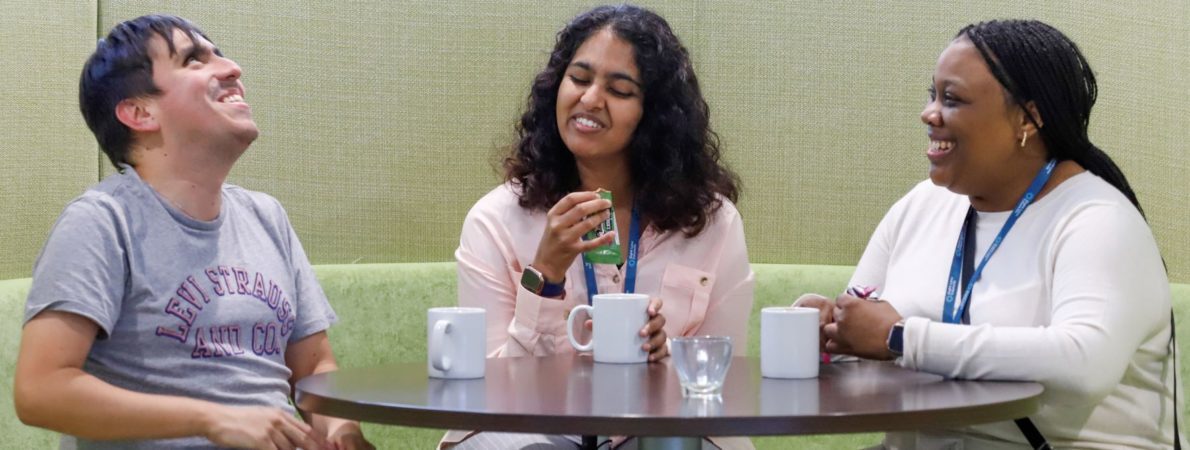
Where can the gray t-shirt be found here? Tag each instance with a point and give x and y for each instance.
(184, 307)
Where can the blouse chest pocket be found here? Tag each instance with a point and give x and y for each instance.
(685, 293)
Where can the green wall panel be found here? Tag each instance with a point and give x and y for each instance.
(819, 106)
(382, 122)
(47, 154)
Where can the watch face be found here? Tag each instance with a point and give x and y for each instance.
(896, 339)
(532, 280)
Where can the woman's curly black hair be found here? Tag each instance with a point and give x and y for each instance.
(674, 156)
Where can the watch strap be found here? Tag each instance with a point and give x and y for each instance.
(552, 289)
(534, 281)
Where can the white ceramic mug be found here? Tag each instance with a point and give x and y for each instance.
(789, 342)
(618, 319)
(455, 337)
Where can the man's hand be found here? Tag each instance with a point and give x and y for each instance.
(257, 427)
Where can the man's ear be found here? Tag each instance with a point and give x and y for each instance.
(135, 114)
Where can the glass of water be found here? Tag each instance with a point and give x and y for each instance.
(701, 363)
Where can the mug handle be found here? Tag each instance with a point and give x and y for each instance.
(570, 328)
(438, 356)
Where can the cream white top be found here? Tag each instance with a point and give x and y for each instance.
(1076, 298)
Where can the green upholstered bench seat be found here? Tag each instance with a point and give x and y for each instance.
(382, 319)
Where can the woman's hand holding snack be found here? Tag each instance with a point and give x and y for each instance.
(570, 218)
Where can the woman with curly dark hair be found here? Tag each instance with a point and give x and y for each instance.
(617, 107)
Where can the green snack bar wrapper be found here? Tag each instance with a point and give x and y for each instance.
(604, 254)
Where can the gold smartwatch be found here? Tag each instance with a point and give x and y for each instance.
(535, 282)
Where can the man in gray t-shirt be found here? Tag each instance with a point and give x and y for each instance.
(169, 309)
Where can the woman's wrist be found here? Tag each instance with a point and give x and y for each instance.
(549, 273)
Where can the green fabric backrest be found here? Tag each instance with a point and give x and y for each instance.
(377, 331)
(381, 120)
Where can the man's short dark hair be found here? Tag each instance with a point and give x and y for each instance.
(119, 69)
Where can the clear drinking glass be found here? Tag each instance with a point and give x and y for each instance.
(701, 363)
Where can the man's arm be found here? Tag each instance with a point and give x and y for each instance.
(51, 390)
(308, 356)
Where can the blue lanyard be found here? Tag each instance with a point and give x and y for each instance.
(630, 276)
(951, 314)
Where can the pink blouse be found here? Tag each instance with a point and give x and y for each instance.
(704, 282)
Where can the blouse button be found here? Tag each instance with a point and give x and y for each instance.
(616, 278)
(703, 281)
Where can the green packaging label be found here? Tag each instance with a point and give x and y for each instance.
(604, 254)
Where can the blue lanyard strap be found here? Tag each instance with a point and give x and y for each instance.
(951, 314)
(630, 275)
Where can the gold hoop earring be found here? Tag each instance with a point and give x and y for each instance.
(1024, 136)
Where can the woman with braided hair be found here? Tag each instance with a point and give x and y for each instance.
(1026, 256)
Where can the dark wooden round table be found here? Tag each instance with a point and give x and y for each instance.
(571, 394)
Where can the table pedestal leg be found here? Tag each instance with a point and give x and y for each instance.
(669, 443)
(589, 442)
